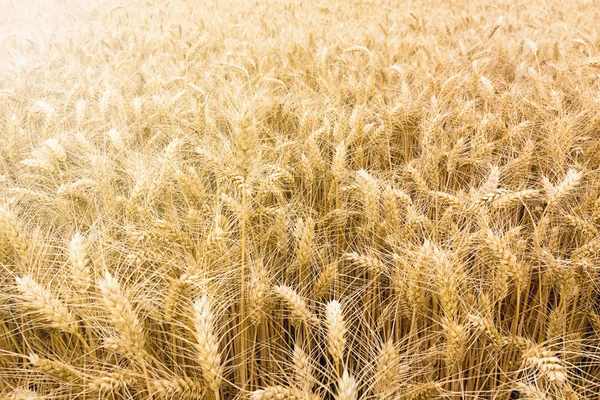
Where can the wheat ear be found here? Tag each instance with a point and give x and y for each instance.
(276, 393)
(347, 387)
(546, 362)
(297, 305)
(111, 382)
(80, 273)
(178, 387)
(325, 281)
(123, 316)
(556, 193)
(12, 230)
(336, 331)
(530, 392)
(372, 264)
(207, 344)
(55, 369)
(303, 369)
(41, 300)
(126, 322)
(388, 370)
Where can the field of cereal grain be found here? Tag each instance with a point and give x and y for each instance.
(293, 200)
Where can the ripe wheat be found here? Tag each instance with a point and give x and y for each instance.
(390, 200)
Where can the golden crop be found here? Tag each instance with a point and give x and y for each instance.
(387, 200)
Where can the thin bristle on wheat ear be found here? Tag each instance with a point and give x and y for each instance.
(39, 299)
(207, 344)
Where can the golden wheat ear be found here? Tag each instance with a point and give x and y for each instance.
(297, 304)
(123, 316)
(42, 301)
(336, 331)
(79, 262)
(389, 370)
(12, 229)
(347, 388)
(112, 382)
(54, 369)
(207, 344)
(178, 387)
(276, 392)
(125, 320)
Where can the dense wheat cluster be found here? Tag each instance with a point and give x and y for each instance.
(259, 200)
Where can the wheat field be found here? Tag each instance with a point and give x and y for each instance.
(338, 200)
